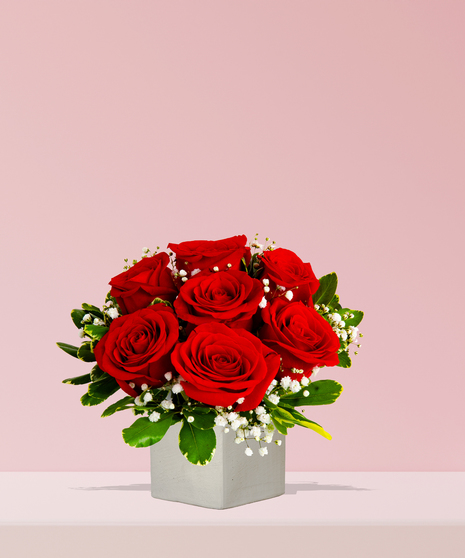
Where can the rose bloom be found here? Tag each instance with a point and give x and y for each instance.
(283, 267)
(204, 255)
(230, 297)
(146, 280)
(219, 365)
(302, 337)
(137, 348)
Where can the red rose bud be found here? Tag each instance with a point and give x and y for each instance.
(146, 280)
(137, 348)
(230, 297)
(205, 255)
(302, 337)
(284, 268)
(220, 365)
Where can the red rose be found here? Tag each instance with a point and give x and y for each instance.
(139, 285)
(204, 255)
(302, 337)
(220, 365)
(230, 297)
(284, 268)
(137, 348)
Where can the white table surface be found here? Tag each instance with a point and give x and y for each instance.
(311, 499)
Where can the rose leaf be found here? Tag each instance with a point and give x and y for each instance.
(96, 331)
(197, 446)
(299, 419)
(103, 388)
(202, 420)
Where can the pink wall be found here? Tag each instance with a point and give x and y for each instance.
(336, 127)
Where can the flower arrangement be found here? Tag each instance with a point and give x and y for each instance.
(215, 333)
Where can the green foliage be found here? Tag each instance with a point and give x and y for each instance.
(95, 331)
(85, 352)
(161, 301)
(78, 380)
(334, 304)
(299, 419)
(76, 316)
(97, 373)
(321, 392)
(103, 388)
(358, 316)
(344, 360)
(90, 309)
(282, 420)
(70, 349)
(326, 290)
(197, 446)
(120, 405)
(203, 419)
(144, 433)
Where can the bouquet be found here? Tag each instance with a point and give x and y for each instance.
(215, 333)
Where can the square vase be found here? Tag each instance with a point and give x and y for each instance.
(230, 479)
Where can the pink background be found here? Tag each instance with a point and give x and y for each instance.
(337, 128)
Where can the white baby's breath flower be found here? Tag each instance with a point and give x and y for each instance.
(154, 417)
(274, 398)
(344, 335)
(220, 421)
(239, 440)
(265, 418)
(336, 318)
(81, 332)
(266, 282)
(143, 387)
(166, 404)
(306, 393)
(240, 400)
(232, 416)
(295, 386)
(86, 318)
(263, 303)
(112, 313)
(269, 438)
(236, 424)
(168, 376)
(260, 410)
(263, 451)
(289, 295)
(255, 431)
(182, 272)
(177, 388)
(266, 289)
(278, 442)
(248, 452)
(132, 385)
(190, 419)
(305, 381)
(216, 268)
(286, 382)
(148, 397)
(195, 272)
(138, 401)
(98, 322)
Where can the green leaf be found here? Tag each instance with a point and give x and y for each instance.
(281, 420)
(202, 420)
(344, 360)
(89, 401)
(161, 301)
(76, 316)
(335, 302)
(144, 433)
(85, 352)
(70, 349)
(96, 331)
(321, 392)
(102, 389)
(197, 446)
(326, 290)
(299, 419)
(97, 373)
(358, 316)
(78, 380)
(120, 405)
(93, 310)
